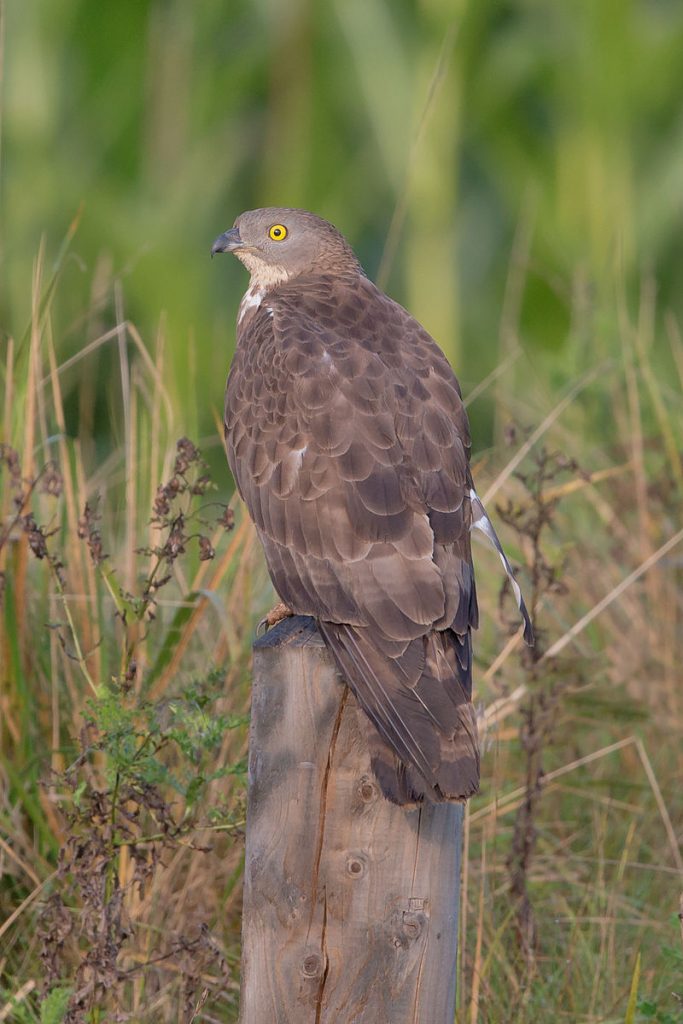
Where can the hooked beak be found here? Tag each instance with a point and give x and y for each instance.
(227, 242)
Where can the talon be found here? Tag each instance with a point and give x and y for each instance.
(277, 614)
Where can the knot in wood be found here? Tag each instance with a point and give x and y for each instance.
(313, 965)
(412, 925)
(355, 866)
(367, 790)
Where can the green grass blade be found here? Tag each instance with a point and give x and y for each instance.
(633, 995)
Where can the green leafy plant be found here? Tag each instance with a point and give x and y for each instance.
(652, 1009)
(138, 787)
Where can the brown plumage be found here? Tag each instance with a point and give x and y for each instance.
(349, 443)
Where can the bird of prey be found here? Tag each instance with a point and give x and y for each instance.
(349, 444)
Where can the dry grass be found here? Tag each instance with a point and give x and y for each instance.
(61, 641)
(605, 872)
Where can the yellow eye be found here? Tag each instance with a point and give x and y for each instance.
(278, 232)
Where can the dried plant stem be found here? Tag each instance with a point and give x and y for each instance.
(540, 430)
(664, 813)
(9, 921)
(499, 710)
(80, 659)
(616, 592)
(477, 965)
(16, 999)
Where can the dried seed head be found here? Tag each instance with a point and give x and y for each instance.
(227, 520)
(206, 551)
(51, 480)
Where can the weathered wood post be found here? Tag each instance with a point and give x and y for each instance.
(350, 903)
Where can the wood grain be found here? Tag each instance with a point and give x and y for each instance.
(350, 902)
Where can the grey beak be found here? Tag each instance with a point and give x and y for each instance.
(227, 242)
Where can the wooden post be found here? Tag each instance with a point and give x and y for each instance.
(350, 903)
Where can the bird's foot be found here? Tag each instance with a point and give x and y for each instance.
(277, 614)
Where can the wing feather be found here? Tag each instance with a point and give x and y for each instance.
(349, 443)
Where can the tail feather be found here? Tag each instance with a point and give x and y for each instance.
(424, 741)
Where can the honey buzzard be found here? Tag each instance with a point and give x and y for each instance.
(349, 444)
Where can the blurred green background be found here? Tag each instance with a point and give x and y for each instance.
(512, 172)
(524, 159)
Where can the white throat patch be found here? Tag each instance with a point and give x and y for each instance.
(263, 275)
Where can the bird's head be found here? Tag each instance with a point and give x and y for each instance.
(276, 244)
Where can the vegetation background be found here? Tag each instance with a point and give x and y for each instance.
(511, 171)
